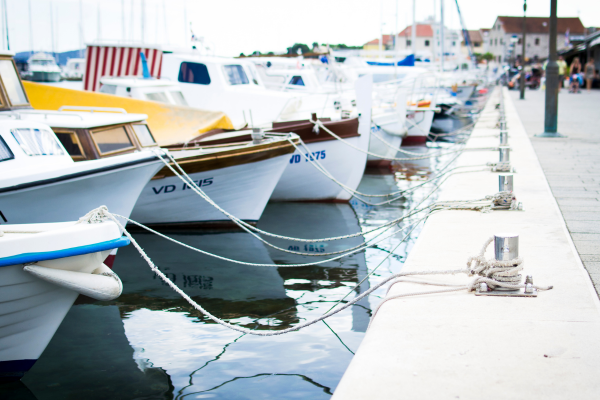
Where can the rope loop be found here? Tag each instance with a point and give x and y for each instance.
(497, 272)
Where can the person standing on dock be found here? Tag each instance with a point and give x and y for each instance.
(589, 74)
(575, 71)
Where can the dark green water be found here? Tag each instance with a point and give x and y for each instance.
(150, 344)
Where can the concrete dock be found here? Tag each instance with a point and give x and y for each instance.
(571, 165)
(458, 345)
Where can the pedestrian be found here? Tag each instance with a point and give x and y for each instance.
(562, 71)
(589, 73)
(575, 71)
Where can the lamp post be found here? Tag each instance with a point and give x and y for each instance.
(551, 112)
(522, 85)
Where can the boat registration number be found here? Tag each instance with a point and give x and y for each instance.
(316, 155)
(185, 186)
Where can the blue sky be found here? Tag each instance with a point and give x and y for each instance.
(236, 26)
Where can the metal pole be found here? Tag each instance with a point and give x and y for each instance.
(551, 116)
(522, 84)
(413, 30)
(442, 35)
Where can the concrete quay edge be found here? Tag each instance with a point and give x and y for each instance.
(458, 345)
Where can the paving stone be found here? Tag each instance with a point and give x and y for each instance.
(592, 267)
(586, 247)
(583, 227)
(586, 236)
(581, 216)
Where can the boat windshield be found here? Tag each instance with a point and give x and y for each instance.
(38, 142)
(144, 135)
(42, 62)
(5, 153)
(236, 75)
(157, 96)
(12, 83)
(178, 98)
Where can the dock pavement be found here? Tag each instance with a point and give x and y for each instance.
(461, 346)
(571, 165)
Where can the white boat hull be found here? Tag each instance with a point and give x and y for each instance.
(67, 200)
(419, 126)
(377, 146)
(30, 312)
(301, 181)
(242, 190)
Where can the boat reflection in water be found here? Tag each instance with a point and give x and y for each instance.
(319, 220)
(166, 335)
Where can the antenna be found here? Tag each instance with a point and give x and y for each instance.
(123, 19)
(51, 27)
(80, 28)
(143, 16)
(6, 23)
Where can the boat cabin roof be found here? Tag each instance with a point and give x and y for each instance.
(75, 119)
(135, 82)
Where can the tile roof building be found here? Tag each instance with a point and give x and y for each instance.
(505, 37)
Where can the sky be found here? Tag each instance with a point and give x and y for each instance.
(231, 27)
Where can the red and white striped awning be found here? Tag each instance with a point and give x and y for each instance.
(118, 61)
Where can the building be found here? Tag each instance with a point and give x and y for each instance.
(476, 39)
(427, 43)
(505, 37)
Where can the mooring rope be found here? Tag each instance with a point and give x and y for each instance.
(103, 213)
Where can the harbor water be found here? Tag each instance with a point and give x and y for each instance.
(151, 344)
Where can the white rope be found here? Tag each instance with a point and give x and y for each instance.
(103, 213)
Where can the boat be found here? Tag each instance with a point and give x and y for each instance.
(42, 67)
(74, 69)
(160, 90)
(222, 171)
(344, 159)
(43, 268)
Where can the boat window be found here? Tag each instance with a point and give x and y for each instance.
(178, 98)
(112, 139)
(144, 135)
(157, 96)
(190, 72)
(5, 153)
(110, 89)
(12, 83)
(38, 142)
(70, 142)
(297, 80)
(236, 75)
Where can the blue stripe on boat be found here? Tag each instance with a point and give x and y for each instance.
(74, 251)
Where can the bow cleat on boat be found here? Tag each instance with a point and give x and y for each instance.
(43, 268)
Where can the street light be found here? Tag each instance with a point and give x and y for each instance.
(551, 113)
(522, 97)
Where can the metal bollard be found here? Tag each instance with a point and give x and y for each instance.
(503, 138)
(506, 246)
(505, 182)
(257, 135)
(504, 154)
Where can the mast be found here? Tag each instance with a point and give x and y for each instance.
(442, 35)
(6, 23)
(30, 28)
(165, 21)
(185, 24)
(99, 24)
(143, 16)
(123, 19)
(433, 28)
(413, 30)
(51, 28)
(466, 36)
(381, 28)
(80, 28)
(396, 45)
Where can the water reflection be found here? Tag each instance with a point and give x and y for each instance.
(150, 343)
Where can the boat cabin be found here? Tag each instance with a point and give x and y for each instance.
(161, 90)
(12, 93)
(90, 133)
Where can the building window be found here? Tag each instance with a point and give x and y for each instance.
(491, 42)
(537, 41)
(453, 43)
(520, 41)
(499, 59)
(426, 43)
(501, 41)
(495, 42)
(408, 42)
